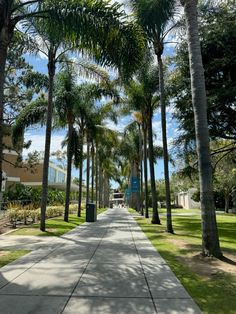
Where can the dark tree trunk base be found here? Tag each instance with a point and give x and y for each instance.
(170, 231)
(217, 255)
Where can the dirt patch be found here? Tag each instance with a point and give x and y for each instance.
(179, 243)
(4, 225)
(207, 267)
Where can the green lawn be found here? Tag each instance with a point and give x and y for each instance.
(54, 227)
(212, 288)
(7, 257)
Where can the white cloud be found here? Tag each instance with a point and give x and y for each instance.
(120, 126)
(38, 142)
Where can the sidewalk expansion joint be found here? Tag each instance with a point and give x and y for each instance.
(76, 285)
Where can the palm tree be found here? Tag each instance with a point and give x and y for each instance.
(94, 26)
(154, 16)
(141, 94)
(138, 117)
(129, 149)
(66, 99)
(72, 103)
(210, 238)
(106, 144)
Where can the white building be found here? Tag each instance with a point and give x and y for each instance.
(184, 199)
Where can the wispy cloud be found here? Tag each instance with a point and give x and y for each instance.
(120, 126)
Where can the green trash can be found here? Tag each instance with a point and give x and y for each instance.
(91, 212)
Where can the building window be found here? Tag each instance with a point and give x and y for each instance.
(51, 175)
(61, 177)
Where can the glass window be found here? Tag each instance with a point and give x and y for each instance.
(51, 175)
(61, 177)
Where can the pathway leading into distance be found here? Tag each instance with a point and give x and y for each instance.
(107, 267)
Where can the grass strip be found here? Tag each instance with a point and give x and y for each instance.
(55, 226)
(7, 257)
(212, 289)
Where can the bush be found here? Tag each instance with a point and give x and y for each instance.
(12, 216)
(73, 208)
(32, 195)
(24, 214)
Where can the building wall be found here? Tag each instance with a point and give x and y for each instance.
(32, 175)
(29, 176)
(184, 199)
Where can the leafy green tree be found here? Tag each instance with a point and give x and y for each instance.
(21, 82)
(216, 30)
(224, 168)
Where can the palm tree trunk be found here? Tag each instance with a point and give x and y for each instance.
(100, 199)
(210, 238)
(80, 174)
(106, 191)
(169, 227)
(51, 74)
(69, 166)
(96, 175)
(88, 171)
(155, 215)
(3, 59)
(141, 168)
(93, 172)
(145, 170)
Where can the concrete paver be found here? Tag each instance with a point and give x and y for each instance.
(106, 267)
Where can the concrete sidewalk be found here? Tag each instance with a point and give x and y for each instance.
(104, 267)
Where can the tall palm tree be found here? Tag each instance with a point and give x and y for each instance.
(138, 117)
(154, 15)
(72, 103)
(66, 99)
(210, 238)
(129, 149)
(142, 96)
(94, 26)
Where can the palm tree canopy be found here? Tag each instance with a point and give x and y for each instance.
(142, 90)
(98, 28)
(153, 15)
(33, 113)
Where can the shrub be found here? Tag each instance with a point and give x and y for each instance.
(32, 195)
(12, 216)
(73, 208)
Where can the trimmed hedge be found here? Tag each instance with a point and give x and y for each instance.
(27, 214)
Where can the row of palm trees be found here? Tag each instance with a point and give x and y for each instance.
(104, 32)
(94, 27)
(155, 18)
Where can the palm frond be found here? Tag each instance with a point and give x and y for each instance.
(32, 114)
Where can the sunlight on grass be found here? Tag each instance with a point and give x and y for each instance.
(55, 226)
(7, 257)
(215, 293)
